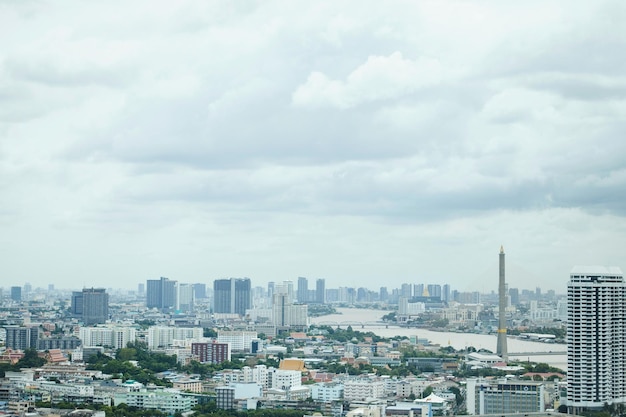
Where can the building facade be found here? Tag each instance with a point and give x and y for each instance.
(233, 295)
(504, 396)
(596, 338)
(95, 308)
(161, 293)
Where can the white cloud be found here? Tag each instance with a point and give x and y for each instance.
(379, 78)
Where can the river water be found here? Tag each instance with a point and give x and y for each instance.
(456, 340)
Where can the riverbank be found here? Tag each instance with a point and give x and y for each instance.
(456, 340)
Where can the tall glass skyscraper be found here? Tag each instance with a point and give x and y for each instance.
(596, 337)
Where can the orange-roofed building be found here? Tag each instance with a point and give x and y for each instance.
(292, 364)
(55, 356)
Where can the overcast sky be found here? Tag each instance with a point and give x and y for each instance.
(369, 143)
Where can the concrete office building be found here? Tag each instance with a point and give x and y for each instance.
(596, 338)
(504, 396)
(161, 293)
(232, 296)
(21, 338)
(95, 308)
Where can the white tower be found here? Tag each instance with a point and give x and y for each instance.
(596, 337)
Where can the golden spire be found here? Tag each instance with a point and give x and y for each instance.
(501, 249)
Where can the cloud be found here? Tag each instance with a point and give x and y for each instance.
(348, 140)
(379, 78)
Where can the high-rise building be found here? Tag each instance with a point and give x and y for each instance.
(445, 293)
(141, 289)
(210, 352)
(185, 299)
(501, 348)
(21, 338)
(161, 293)
(232, 295)
(303, 290)
(16, 293)
(320, 291)
(95, 309)
(199, 291)
(76, 303)
(434, 290)
(596, 335)
(406, 291)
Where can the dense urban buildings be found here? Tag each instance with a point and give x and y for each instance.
(596, 337)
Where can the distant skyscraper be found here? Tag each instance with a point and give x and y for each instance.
(199, 291)
(141, 289)
(76, 303)
(405, 291)
(434, 290)
(232, 295)
(502, 347)
(320, 291)
(95, 306)
(514, 294)
(16, 293)
(185, 298)
(596, 338)
(445, 293)
(161, 293)
(383, 294)
(303, 290)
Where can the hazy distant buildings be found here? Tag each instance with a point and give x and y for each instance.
(16, 294)
(303, 290)
(232, 296)
(596, 338)
(185, 298)
(199, 291)
(320, 291)
(161, 293)
(285, 314)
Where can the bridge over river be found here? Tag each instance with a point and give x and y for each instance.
(537, 353)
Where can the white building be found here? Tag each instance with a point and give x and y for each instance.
(239, 340)
(327, 391)
(363, 388)
(114, 336)
(504, 396)
(596, 335)
(165, 336)
(168, 402)
(283, 379)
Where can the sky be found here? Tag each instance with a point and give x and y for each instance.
(364, 142)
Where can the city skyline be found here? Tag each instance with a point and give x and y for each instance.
(353, 142)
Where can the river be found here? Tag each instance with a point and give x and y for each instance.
(456, 340)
